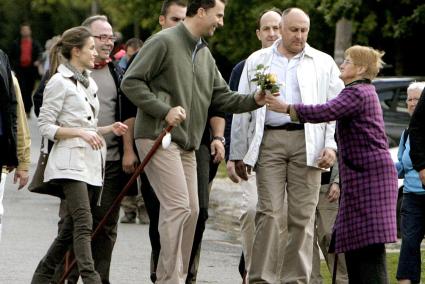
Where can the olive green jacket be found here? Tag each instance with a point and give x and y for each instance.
(174, 68)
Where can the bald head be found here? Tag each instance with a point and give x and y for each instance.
(268, 28)
(294, 30)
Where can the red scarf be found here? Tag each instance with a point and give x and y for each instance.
(101, 64)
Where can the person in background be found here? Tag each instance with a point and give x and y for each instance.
(23, 144)
(288, 157)
(132, 46)
(326, 212)
(366, 219)
(267, 33)
(24, 56)
(77, 159)
(413, 204)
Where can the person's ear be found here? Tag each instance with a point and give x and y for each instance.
(75, 52)
(257, 32)
(201, 12)
(361, 70)
(161, 20)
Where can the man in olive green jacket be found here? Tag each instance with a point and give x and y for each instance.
(173, 81)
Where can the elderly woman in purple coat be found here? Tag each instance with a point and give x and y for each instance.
(367, 216)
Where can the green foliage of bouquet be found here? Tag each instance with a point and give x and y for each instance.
(266, 81)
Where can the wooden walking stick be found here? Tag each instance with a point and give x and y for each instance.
(118, 199)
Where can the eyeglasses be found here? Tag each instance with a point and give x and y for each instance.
(412, 100)
(346, 61)
(105, 38)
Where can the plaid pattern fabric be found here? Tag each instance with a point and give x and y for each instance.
(367, 213)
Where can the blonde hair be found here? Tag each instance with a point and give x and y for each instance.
(367, 57)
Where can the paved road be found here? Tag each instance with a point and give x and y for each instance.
(29, 226)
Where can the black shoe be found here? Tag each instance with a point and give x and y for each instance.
(153, 277)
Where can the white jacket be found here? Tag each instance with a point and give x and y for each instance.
(318, 78)
(71, 105)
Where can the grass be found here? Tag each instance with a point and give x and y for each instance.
(392, 261)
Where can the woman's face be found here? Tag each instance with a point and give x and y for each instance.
(349, 71)
(87, 54)
(412, 100)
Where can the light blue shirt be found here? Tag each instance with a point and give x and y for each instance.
(412, 182)
(286, 72)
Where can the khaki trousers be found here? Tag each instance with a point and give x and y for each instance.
(247, 220)
(282, 162)
(325, 218)
(172, 174)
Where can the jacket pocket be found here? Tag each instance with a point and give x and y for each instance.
(71, 158)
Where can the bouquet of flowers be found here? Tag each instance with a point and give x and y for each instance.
(266, 81)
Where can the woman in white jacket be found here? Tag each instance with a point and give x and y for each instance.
(69, 118)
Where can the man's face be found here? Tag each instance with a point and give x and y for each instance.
(175, 14)
(103, 39)
(269, 28)
(25, 31)
(213, 18)
(294, 31)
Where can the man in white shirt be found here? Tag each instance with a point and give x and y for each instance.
(288, 157)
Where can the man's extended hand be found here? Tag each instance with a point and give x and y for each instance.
(327, 158)
(175, 116)
(260, 98)
(242, 170)
(230, 166)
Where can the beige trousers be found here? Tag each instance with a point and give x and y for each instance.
(282, 162)
(172, 174)
(325, 218)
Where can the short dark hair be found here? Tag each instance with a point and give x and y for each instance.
(274, 9)
(194, 5)
(87, 22)
(134, 42)
(167, 3)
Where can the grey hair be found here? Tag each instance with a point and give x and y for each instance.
(416, 86)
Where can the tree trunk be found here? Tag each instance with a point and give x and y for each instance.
(343, 37)
(94, 7)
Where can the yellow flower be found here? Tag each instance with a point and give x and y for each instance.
(272, 78)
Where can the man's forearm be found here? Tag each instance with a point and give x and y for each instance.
(217, 126)
(128, 137)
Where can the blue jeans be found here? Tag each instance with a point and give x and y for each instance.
(412, 232)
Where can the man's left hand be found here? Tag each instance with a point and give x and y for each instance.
(217, 150)
(327, 158)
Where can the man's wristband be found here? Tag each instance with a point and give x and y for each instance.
(221, 139)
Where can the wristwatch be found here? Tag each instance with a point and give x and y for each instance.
(221, 139)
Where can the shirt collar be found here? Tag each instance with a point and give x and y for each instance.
(306, 51)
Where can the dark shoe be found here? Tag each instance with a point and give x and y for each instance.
(153, 277)
(128, 218)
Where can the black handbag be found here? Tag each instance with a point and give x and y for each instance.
(37, 184)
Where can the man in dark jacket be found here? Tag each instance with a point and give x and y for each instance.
(24, 57)
(417, 138)
(8, 155)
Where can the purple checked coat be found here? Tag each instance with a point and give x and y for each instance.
(367, 213)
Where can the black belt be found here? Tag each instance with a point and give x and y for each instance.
(287, 127)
